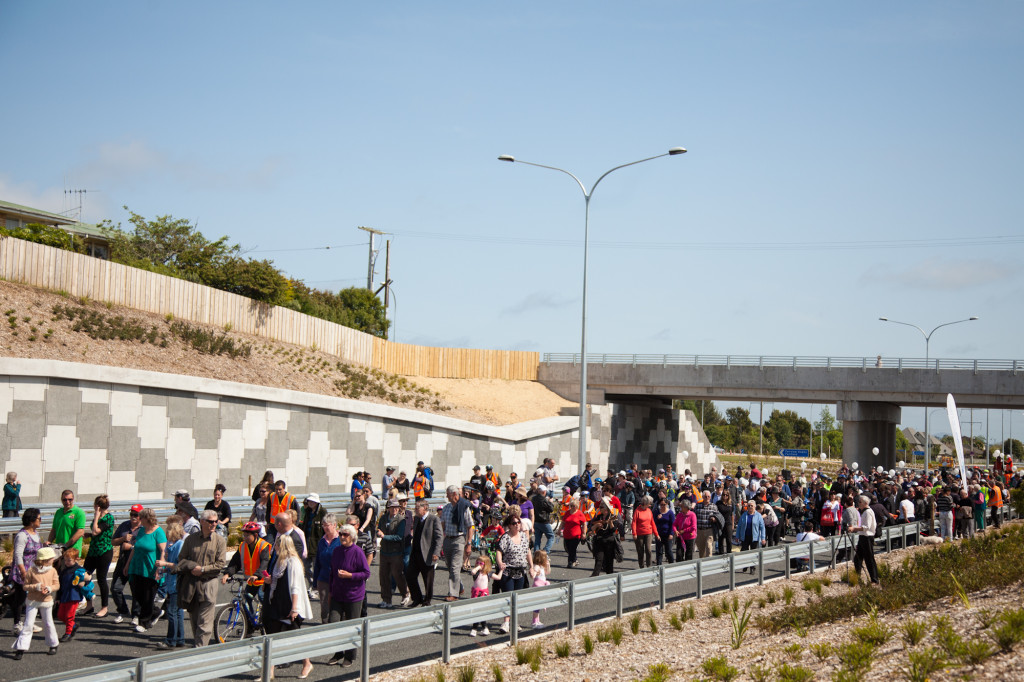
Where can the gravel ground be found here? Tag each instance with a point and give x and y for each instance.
(684, 651)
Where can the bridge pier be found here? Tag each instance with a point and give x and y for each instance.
(868, 425)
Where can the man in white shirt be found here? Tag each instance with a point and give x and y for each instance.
(865, 531)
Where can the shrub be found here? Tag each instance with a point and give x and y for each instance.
(794, 673)
(975, 651)
(922, 664)
(466, 673)
(986, 618)
(499, 674)
(562, 649)
(874, 632)
(652, 623)
(439, 673)
(616, 633)
(760, 673)
(913, 632)
(717, 668)
(658, 672)
(739, 626)
(950, 642)
(822, 651)
(715, 611)
(674, 621)
(855, 657)
(787, 594)
(794, 650)
(1006, 636)
(604, 635)
(634, 623)
(588, 644)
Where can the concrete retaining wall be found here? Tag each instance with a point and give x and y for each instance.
(137, 434)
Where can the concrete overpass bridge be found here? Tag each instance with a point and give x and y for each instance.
(869, 392)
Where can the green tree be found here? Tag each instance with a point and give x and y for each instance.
(47, 235)
(1017, 451)
(825, 421)
(172, 246)
(722, 435)
(739, 418)
(902, 444)
(710, 413)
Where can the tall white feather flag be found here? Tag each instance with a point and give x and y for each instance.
(958, 441)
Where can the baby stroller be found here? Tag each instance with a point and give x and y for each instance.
(7, 593)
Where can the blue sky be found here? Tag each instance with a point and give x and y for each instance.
(846, 160)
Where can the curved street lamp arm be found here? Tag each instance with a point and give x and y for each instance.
(562, 170)
(631, 163)
(946, 324)
(907, 324)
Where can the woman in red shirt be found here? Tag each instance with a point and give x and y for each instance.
(643, 530)
(574, 529)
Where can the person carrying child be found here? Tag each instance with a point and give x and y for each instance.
(481, 573)
(539, 572)
(41, 584)
(75, 585)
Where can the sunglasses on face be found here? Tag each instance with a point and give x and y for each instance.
(68, 499)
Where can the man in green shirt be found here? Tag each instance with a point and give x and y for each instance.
(68, 523)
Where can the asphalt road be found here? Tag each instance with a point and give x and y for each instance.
(100, 641)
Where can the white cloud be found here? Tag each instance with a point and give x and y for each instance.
(538, 301)
(941, 274)
(46, 198)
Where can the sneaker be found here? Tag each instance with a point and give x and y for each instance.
(18, 655)
(159, 615)
(336, 659)
(407, 602)
(139, 628)
(119, 618)
(135, 621)
(346, 663)
(18, 626)
(504, 628)
(52, 651)
(383, 605)
(36, 629)
(485, 632)
(313, 595)
(472, 632)
(537, 625)
(162, 645)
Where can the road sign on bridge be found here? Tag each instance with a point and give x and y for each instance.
(793, 452)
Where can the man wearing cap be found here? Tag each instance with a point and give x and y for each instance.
(392, 547)
(493, 477)
(252, 560)
(200, 561)
(543, 507)
(387, 481)
(457, 523)
(68, 527)
(477, 480)
(311, 524)
(280, 500)
(124, 537)
(183, 504)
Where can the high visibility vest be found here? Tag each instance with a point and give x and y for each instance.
(417, 488)
(493, 478)
(997, 497)
(251, 560)
(278, 506)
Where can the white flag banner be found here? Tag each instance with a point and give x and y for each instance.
(958, 441)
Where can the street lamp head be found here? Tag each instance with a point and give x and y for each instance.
(676, 150)
(972, 318)
(506, 157)
(884, 319)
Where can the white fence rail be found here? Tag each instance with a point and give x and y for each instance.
(257, 655)
(792, 361)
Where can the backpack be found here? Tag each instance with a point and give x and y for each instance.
(428, 473)
(827, 519)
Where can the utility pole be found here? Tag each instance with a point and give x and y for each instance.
(369, 267)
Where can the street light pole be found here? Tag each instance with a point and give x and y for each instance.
(927, 357)
(674, 151)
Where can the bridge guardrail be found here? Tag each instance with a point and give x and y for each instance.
(793, 361)
(259, 654)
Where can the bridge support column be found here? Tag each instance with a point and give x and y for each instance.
(868, 425)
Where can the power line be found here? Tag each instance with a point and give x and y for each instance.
(308, 248)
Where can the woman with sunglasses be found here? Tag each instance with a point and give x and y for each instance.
(515, 560)
(124, 540)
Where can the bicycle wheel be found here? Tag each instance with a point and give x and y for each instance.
(230, 624)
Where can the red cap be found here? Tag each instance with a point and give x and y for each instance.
(137, 507)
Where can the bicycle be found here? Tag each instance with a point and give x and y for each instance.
(242, 617)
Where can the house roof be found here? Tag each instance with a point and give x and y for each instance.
(35, 213)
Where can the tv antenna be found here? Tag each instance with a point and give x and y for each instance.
(373, 255)
(74, 200)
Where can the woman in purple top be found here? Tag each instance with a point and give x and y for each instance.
(349, 573)
(665, 538)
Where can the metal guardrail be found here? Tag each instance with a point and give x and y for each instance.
(259, 654)
(163, 508)
(792, 361)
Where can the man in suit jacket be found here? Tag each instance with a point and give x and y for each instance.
(426, 548)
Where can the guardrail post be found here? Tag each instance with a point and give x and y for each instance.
(864, 365)
(696, 361)
(832, 551)
(760, 363)
(901, 366)
(903, 535)
(268, 667)
(760, 566)
(364, 663)
(572, 606)
(140, 671)
(828, 364)
(618, 595)
(810, 557)
(732, 572)
(513, 623)
(888, 540)
(794, 363)
(661, 586)
(728, 362)
(786, 546)
(446, 633)
(634, 359)
(975, 369)
(700, 578)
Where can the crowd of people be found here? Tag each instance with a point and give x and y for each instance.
(501, 535)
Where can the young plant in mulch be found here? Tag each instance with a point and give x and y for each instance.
(922, 664)
(718, 668)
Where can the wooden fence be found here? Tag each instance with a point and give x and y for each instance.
(455, 363)
(80, 275)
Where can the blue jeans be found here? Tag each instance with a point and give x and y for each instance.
(175, 620)
(547, 531)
